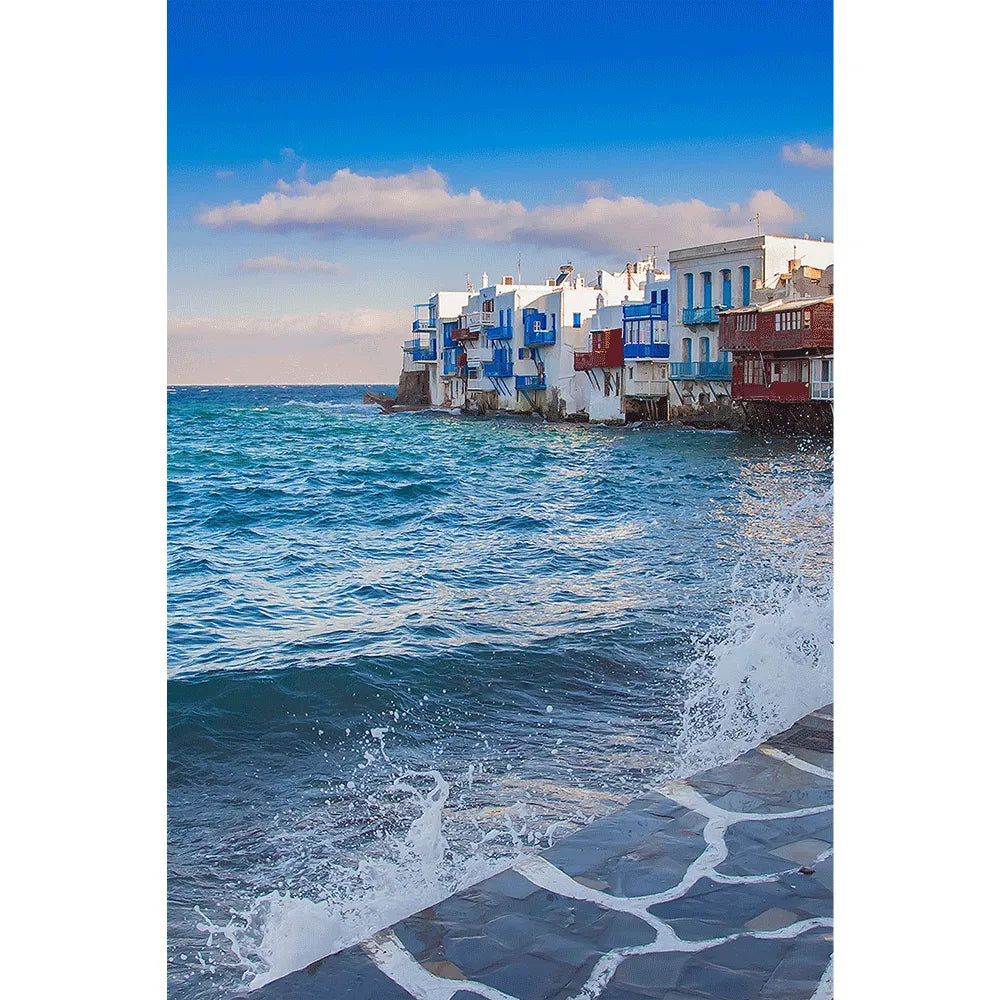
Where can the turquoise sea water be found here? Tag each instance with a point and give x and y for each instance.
(403, 649)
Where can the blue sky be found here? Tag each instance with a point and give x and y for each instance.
(586, 131)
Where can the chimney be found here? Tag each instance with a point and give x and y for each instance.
(486, 280)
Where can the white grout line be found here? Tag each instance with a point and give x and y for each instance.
(824, 989)
(802, 765)
(388, 953)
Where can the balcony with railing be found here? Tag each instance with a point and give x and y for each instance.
(605, 351)
(653, 350)
(423, 323)
(536, 330)
(425, 352)
(479, 354)
(699, 315)
(646, 310)
(500, 332)
(500, 367)
(529, 383)
(648, 388)
(718, 371)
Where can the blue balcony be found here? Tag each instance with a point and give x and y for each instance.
(647, 350)
(646, 310)
(535, 328)
(720, 371)
(540, 337)
(529, 382)
(425, 352)
(700, 314)
(499, 333)
(423, 322)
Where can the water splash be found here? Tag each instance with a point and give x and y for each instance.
(772, 661)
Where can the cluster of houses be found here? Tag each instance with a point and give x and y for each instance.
(746, 322)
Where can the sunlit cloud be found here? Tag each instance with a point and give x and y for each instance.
(420, 206)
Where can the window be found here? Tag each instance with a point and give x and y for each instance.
(705, 349)
(689, 283)
(753, 372)
(727, 288)
(652, 298)
(745, 279)
(686, 349)
(706, 289)
(576, 321)
(553, 322)
(660, 332)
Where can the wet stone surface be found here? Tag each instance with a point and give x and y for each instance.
(719, 886)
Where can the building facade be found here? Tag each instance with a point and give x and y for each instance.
(719, 276)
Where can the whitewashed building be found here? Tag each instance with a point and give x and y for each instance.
(717, 276)
(431, 347)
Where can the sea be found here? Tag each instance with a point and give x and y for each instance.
(406, 649)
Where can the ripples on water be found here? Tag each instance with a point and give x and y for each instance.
(403, 649)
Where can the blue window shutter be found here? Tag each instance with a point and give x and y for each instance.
(745, 274)
(689, 281)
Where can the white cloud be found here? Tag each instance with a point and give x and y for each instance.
(804, 155)
(419, 206)
(278, 263)
(357, 345)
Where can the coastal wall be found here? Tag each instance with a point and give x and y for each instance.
(717, 886)
(414, 388)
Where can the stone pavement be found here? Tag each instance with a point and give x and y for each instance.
(718, 886)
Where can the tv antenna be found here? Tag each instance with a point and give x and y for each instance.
(756, 218)
(468, 284)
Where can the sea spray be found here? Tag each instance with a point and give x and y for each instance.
(772, 661)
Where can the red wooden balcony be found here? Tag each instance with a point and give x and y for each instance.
(606, 352)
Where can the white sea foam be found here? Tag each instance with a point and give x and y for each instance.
(281, 932)
(772, 661)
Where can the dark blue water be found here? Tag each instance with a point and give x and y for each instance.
(404, 648)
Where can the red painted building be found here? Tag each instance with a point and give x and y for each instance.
(782, 350)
